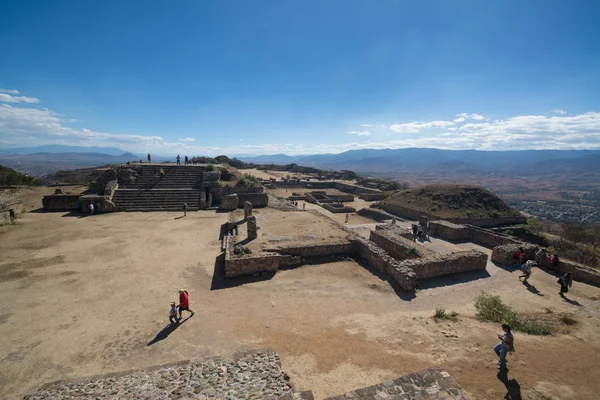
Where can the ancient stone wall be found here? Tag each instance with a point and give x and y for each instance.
(371, 196)
(447, 264)
(396, 245)
(489, 238)
(506, 254)
(378, 259)
(377, 215)
(341, 198)
(229, 202)
(337, 208)
(56, 202)
(579, 272)
(256, 199)
(5, 217)
(451, 231)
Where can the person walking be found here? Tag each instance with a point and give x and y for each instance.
(565, 283)
(184, 302)
(506, 344)
(178, 160)
(527, 270)
(346, 220)
(184, 209)
(173, 314)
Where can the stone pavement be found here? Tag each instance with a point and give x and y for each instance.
(429, 384)
(257, 375)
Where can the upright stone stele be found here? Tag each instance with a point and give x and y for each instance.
(252, 228)
(247, 210)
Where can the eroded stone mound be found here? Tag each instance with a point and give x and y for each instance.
(450, 201)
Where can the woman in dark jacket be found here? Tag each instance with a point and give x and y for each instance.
(565, 283)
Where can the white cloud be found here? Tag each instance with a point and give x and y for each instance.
(366, 125)
(7, 98)
(462, 117)
(359, 133)
(9, 91)
(416, 127)
(559, 111)
(42, 126)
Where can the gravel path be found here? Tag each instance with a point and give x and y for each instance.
(257, 375)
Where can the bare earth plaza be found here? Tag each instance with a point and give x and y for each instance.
(300, 289)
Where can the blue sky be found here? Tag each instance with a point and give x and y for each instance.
(263, 77)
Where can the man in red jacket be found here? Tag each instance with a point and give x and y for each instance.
(184, 302)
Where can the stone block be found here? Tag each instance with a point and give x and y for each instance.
(252, 228)
(247, 209)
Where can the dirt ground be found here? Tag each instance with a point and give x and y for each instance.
(83, 296)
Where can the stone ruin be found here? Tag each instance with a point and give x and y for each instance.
(247, 210)
(255, 374)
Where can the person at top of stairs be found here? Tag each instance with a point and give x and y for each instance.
(178, 160)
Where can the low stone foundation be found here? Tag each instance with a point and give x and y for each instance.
(257, 200)
(448, 264)
(338, 208)
(429, 384)
(229, 203)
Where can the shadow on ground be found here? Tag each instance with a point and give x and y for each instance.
(220, 282)
(454, 279)
(166, 331)
(513, 388)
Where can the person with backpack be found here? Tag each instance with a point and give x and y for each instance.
(565, 283)
(506, 344)
(527, 270)
(184, 302)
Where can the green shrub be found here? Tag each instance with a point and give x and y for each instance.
(469, 213)
(440, 313)
(210, 167)
(491, 309)
(248, 181)
(568, 320)
(9, 176)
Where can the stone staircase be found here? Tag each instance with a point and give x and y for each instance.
(176, 177)
(149, 192)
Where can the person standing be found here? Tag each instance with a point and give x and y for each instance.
(184, 302)
(91, 207)
(178, 160)
(185, 160)
(506, 344)
(149, 158)
(184, 209)
(565, 283)
(346, 220)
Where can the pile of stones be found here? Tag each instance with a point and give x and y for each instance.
(257, 375)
